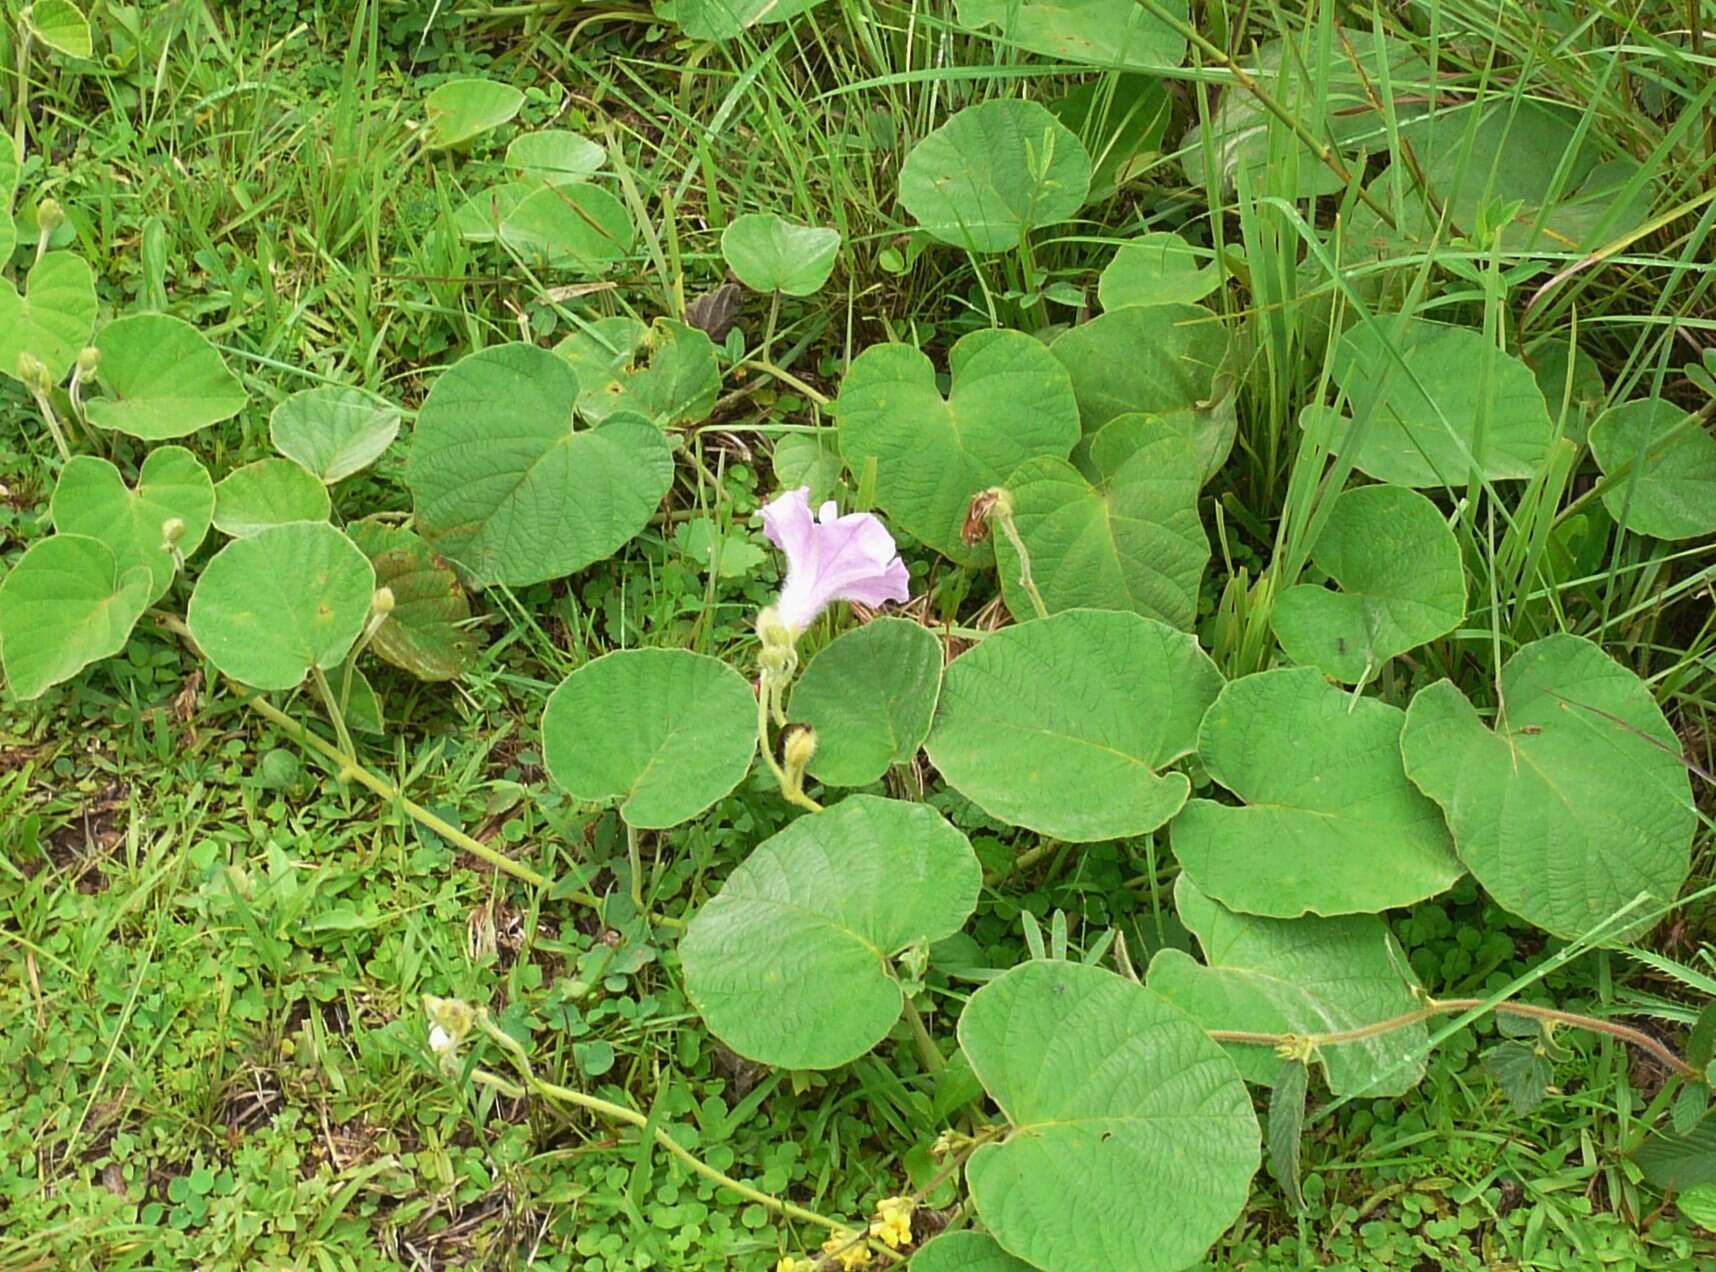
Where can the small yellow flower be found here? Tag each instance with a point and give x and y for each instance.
(893, 1222)
(790, 1264)
(848, 1249)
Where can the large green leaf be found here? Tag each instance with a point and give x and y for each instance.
(61, 26)
(1334, 93)
(66, 604)
(1064, 724)
(724, 19)
(92, 499)
(270, 607)
(1010, 401)
(1574, 803)
(1480, 157)
(1132, 542)
(1298, 976)
(1401, 583)
(1209, 430)
(268, 492)
(1433, 405)
(870, 695)
(480, 217)
(1117, 34)
(1156, 269)
(9, 170)
(164, 377)
(54, 317)
(1131, 1140)
(505, 487)
(333, 430)
(994, 172)
(575, 226)
(426, 633)
(1330, 824)
(965, 1252)
(665, 372)
(557, 156)
(789, 962)
(465, 108)
(664, 731)
(1154, 358)
(769, 253)
(1661, 469)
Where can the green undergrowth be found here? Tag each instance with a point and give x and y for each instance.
(744, 254)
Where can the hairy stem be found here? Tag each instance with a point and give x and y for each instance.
(790, 792)
(1005, 518)
(1455, 1006)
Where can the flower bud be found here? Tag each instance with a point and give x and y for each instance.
(798, 748)
(88, 362)
(450, 1021)
(772, 632)
(172, 530)
(49, 216)
(382, 601)
(34, 373)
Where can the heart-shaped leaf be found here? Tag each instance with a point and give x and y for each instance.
(870, 695)
(1539, 160)
(994, 172)
(54, 317)
(768, 253)
(1209, 430)
(1132, 1139)
(1298, 976)
(1401, 585)
(1156, 269)
(1660, 465)
(270, 607)
(1572, 384)
(479, 218)
(965, 1252)
(665, 372)
(555, 155)
(165, 378)
(664, 731)
(1133, 542)
(1117, 34)
(1010, 401)
(1574, 803)
(1333, 88)
(1153, 358)
(1433, 405)
(66, 604)
(1064, 724)
(724, 19)
(332, 430)
(576, 226)
(788, 963)
(425, 633)
(268, 492)
(507, 490)
(61, 26)
(92, 499)
(1330, 824)
(465, 108)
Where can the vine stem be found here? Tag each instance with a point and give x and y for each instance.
(791, 793)
(1000, 514)
(1453, 1006)
(350, 766)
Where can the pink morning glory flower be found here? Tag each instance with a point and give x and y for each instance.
(831, 558)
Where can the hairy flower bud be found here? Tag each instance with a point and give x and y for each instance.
(382, 602)
(49, 216)
(34, 373)
(799, 747)
(88, 362)
(172, 530)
